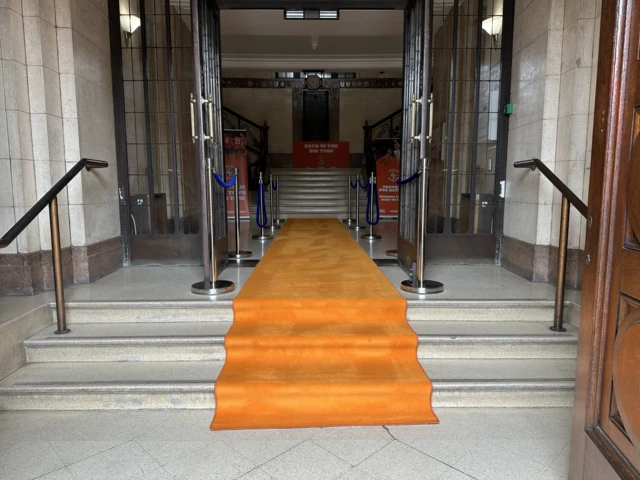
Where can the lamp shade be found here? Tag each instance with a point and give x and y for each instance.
(492, 25)
(130, 23)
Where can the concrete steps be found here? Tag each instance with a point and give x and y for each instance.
(317, 193)
(189, 385)
(127, 342)
(178, 311)
(162, 355)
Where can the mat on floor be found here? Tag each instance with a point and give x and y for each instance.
(320, 338)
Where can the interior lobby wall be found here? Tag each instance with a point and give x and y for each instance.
(275, 106)
(56, 106)
(553, 92)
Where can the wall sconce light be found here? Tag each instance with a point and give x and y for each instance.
(129, 24)
(493, 26)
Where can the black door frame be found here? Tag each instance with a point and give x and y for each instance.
(185, 248)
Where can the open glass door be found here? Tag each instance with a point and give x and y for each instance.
(416, 59)
(207, 132)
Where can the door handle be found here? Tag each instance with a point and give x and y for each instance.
(430, 137)
(207, 102)
(192, 101)
(413, 120)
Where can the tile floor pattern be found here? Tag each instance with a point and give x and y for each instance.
(482, 444)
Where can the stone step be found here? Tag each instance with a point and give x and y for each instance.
(189, 385)
(147, 342)
(221, 310)
(316, 172)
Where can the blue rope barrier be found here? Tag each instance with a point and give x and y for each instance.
(373, 192)
(274, 185)
(364, 187)
(221, 182)
(353, 184)
(409, 179)
(261, 207)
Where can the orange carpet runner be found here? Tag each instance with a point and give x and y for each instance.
(320, 338)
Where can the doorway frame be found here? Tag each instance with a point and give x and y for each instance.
(185, 249)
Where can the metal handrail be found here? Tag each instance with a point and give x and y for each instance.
(370, 161)
(559, 184)
(385, 119)
(568, 198)
(51, 198)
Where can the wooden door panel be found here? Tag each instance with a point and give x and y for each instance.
(626, 366)
(607, 412)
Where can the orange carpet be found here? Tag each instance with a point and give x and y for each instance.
(320, 338)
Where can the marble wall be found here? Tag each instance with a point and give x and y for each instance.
(552, 89)
(56, 107)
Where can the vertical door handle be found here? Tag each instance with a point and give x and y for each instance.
(207, 103)
(192, 101)
(413, 120)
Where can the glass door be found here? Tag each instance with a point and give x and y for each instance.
(467, 131)
(207, 122)
(414, 133)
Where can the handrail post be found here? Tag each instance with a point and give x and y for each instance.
(562, 267)
(56, 253)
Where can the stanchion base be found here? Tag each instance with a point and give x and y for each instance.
(353, 226)
(428, 286)
(392, 253)
(275, 227)
(350, 221)
(61, 332)
(218, 287)
(552, 328)
(262, 238)
(366, 236)
(240, 254)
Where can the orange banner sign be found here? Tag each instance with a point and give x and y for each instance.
(387, 151)
(235, 156)
(321, 154)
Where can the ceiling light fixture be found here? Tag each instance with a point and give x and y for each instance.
(311, 14)
(493, 26)
(129, 24)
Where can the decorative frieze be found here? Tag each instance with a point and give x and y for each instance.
(327, 83)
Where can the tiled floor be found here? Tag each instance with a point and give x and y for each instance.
(467, 444)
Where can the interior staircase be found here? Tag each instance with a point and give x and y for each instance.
(315, 193)
(167, 355)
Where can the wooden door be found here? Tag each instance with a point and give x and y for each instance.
(315, 124)
(606, 431)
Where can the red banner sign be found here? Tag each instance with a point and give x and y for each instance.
(387, 172)
(235, 156)
(321, 154)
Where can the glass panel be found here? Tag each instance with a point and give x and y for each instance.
(466, 72)
(157, 115)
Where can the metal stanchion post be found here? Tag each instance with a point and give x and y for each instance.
(215, 287)
(238, 254)
(371, 235)
(261, 236)
(348, 219)
(357, 224)
(418, 284)
(277, 202)
(273, 216)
